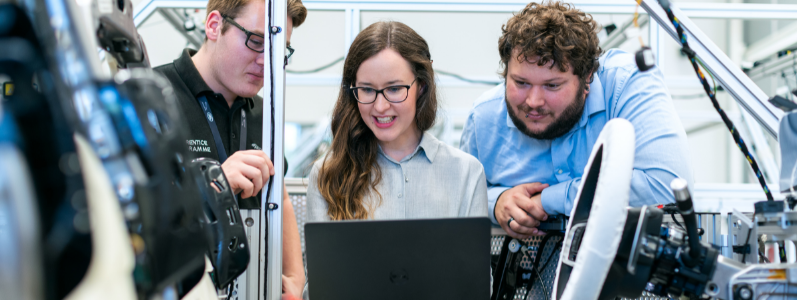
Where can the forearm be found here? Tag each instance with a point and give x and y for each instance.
(292, 253)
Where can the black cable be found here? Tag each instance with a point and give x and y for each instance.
(535, 261)
(538, 276)
(230, 290)
(552, 253)
(763, 256)
(736, 137)
(746, 244)
(272, 133)
(331, 64)
(676, 220)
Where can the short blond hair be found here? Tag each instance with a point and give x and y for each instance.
(297, 12)
(231, 8)
(228, 8)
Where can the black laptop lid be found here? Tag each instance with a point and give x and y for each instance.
(402, 259)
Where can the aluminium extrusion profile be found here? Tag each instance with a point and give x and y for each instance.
(774, 66)
(742, 88)
(270, 258)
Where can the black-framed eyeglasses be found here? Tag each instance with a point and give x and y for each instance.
(393, 94)
(254, 40)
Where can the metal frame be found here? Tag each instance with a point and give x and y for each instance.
(742, 88)
(271, 229)
(785, 62)
(695, 10)
(176, 20)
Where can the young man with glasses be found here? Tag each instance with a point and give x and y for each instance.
(216, 88)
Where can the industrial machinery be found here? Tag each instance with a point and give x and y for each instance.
(121, 209)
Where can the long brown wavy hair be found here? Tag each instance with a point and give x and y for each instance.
(350, 169)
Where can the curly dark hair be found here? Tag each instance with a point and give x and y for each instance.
(552, 31)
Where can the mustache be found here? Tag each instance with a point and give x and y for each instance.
(524, 108)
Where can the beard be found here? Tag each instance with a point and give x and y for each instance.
(559, 127)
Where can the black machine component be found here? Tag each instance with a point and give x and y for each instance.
(163, 207)
(134, 127)
(508, 273)
(117, 34)
(227, 241)
(36, 123)
(783, 103)
(645, 59)
(672, 260)
(554, 223)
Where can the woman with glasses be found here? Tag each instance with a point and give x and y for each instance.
(382, 164)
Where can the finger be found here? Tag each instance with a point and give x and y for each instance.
(241, 184)
(259, 160)
(214, 186)
(247, 189)
(533, 208)
(255, 176)
(523, 230)
(537, 211)
(523, 218)
(534, 187)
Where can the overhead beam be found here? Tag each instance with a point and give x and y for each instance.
(784, 38)
(144, 9)
(618, 36)
(752, 99)
(785, 62)
(175, 18)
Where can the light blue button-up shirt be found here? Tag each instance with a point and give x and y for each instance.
(619, 90)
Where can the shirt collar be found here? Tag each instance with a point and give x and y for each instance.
(429, 145)
(595, 102)
(191, 77)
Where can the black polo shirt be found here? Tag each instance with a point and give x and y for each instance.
(188, 86)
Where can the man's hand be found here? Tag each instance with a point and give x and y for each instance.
(292, 290)
(247, 171)
(524, 204)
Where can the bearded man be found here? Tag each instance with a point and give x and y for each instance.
(534, 133)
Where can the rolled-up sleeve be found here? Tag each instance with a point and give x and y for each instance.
(558, 198)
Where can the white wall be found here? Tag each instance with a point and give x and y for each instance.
(466, 44)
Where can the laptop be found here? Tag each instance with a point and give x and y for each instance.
(399, 259)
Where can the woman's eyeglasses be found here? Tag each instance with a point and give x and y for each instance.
(393, 94)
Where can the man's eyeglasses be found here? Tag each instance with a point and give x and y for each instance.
(289, 52)
(393, 94)
(254, 40)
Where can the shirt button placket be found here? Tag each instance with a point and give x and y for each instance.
(403, 185)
